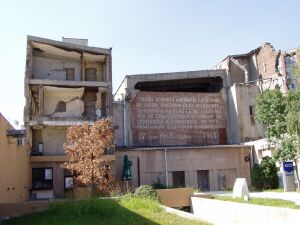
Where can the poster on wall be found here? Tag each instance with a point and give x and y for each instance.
(48, 174)
(68, 182)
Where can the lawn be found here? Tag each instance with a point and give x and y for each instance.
(128, 210)
(260, 201)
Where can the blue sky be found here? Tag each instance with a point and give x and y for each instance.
(147, 36)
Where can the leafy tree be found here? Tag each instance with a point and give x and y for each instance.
(271, 110)
(86, 145)
(281, 115)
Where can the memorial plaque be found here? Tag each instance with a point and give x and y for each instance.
(178, 118)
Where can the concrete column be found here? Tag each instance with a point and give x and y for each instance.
(41, 100)
(193, 179)
(82, 68)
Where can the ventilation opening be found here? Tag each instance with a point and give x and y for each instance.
(207, 84)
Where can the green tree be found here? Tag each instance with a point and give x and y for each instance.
(281, 115)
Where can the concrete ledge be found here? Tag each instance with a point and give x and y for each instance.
(19, 209)
(181, 213)
(62, 158)
(69, 83)
(232, 213)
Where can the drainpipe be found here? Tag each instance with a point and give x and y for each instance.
(124, 122)
(166, 168)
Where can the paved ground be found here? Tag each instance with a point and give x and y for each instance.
(290, 196)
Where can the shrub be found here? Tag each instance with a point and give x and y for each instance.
(264, 176)
(257, 177)
(146, 191)
(159, 185)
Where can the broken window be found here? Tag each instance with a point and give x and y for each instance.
(103, 104)
(206, 84)
(61, 107)
(70, 73)
(90, 74)
(251, 111)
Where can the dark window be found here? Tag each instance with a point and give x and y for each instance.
(178, 178)
(20, 141)
(90, 74)
(42, 178)
(70, 73)
(251, 111)
(61, 106)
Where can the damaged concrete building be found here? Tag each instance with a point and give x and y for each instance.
(66, 83)
(248, 76)
(175, 129)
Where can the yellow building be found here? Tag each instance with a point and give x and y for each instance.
(14, 164)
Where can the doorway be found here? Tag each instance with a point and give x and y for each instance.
(203, 180)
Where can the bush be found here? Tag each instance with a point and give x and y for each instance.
(257, 177)
(264, 176)
(159, 185)
(146, 191)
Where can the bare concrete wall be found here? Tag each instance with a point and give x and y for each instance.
(72, 97)
(14, 167)
(54, 68)
(242, 127)
(118, 121)
(221, 161)
(52, 139)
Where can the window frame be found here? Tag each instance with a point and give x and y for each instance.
(70, 69)
(44, 180)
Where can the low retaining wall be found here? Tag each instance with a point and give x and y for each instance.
(19, 209)
(175, 197)
(230, 213)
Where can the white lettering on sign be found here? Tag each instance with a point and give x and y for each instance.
(177, 118)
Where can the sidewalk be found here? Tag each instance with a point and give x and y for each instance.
(289, 196)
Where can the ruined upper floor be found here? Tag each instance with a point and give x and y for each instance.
(66, 81)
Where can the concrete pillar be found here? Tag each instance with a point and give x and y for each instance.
(41, 100)
(82, 68)
(193, 179)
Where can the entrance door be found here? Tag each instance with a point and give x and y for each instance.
(203, 180)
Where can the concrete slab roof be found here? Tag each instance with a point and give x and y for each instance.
(183, 74)
(69, 46)
(183, 147)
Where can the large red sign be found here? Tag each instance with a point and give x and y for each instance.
(178, 118)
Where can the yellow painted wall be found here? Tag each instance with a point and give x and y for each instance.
(14, 167)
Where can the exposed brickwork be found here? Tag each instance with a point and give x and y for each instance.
(266, 60)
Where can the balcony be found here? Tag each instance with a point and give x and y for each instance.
(42, 158)
(61, 121)
(68, 83)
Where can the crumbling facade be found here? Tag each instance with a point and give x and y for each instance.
(249, 75)
(66, 83)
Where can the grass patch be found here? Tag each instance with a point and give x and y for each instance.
(274, 190)
(260, 201)
(127, 210)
